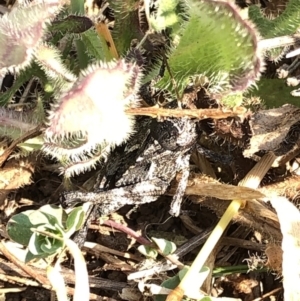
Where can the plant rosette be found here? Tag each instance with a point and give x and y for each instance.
(45, 231)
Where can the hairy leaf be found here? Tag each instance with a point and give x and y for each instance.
(218, 43)
(21, 32)
(127, 25)
(91, 116)
(286, 23)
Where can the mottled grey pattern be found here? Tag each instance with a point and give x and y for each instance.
(142, 170)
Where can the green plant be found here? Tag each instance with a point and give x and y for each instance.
(194, 293)
(286, 23)
(227, 55)
(88, 91)
(72, 140)
(35, 55)
(46, 232)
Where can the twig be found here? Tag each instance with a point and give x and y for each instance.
(206, 186)
(36, 275)
(144, 241)
(128, 231)
(193, 113)
(7, 268)
(26, 91)
(242, 243)
(95, 248)
(193, 243)
(264, 296)
(31, 272)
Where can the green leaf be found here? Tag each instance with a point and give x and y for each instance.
(171, 283)
(44, 245)
(22, 77)
(29, 256)
(148, 251)
(167, 247)
(226, 54)
(35, 243)
(19, 226)
(168, 14)
(30, 145)
(75, 220)
(41, 246)
(274, 92)
(55, 215)
(96, 46)
(127, 25)
(51, 246)
(71, 24)
(286, 23)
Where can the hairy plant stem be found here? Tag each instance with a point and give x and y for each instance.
(77, 7)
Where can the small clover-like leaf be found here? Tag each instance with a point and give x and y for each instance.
(42, 245)
(75, 220)
(148, 251)
(35, 243)
(167, 247)
(20, 225)
(51, 246)
(55, 215)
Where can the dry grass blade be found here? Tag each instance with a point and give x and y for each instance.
(205, 186)
(205, 190)
(104, 32)
(43, 280)
(289, 187)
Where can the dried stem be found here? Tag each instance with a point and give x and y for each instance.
(43, 280)
(205, 186)
(156, 112)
